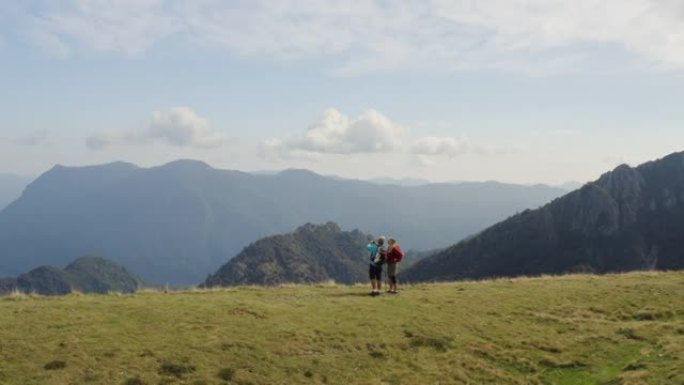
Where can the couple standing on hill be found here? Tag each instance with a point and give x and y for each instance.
(379, 255)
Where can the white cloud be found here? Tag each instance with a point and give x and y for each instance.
(652, 29)
(126, 26)
(178, 126)
(335, 133)
(428, 151)
(370, 133)
(274, 149)
(447, 146)
(181, 126)
(537, 36)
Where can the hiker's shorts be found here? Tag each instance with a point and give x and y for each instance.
(392, 270)
(375, 272)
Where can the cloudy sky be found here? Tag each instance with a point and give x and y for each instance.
(513, 90)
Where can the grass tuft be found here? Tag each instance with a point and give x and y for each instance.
(634, 366)
(650, 314)
(134, 381)
(55, 365)
(375, 351)
(18, 295)
(440, 344)
(552, 363)
(175, 370)
(226, 374)
(630, 333)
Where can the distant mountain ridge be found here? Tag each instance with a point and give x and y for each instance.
(85, 274)
(629, 219)
(310, 254)
(11, 187)
(178, 222)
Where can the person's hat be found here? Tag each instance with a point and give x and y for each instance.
(381, 239)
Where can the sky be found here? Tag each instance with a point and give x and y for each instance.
(522, 91)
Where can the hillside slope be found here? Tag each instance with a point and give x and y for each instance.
(179, 222)
(11, 187)
(622, 329)
(629, 219)
(85, 274)
(312, 253)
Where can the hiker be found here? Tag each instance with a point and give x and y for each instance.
(377, 258)
(394, 257)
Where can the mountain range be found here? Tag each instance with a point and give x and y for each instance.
(178, 222)
(86, 275)
(628, 219)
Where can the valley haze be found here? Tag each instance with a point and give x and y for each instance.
(178, 222)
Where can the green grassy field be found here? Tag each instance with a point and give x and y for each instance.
(620, 329)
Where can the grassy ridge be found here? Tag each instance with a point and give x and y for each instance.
(621, 329)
